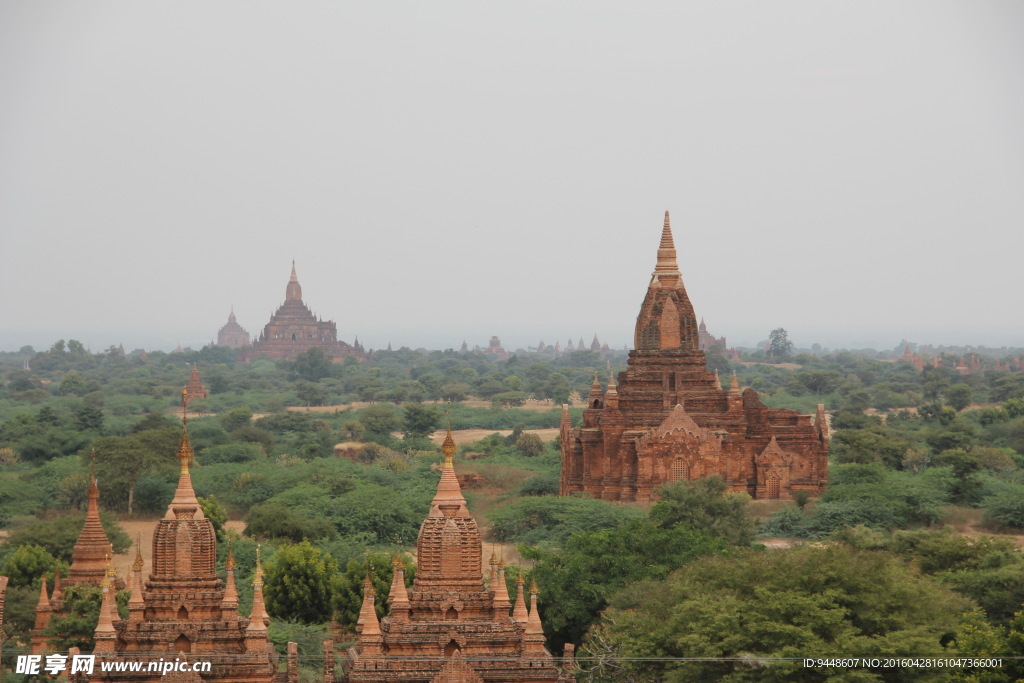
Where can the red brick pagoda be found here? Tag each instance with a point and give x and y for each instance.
(450, 626)
(294, 329)
(669, 418)
(185, 609)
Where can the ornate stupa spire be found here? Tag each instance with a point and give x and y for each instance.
(502, 604)
(293, 292)
(734, 385)
(87, 559)
(611, 397)
(534, 631)
(493, 579)
(667, 320)
(448, 490)
(368, 624)
(184, 496)
(519, 613)
(229, 604)
(667, 252)
(57, 597)
(105, 634)
(136, 604)
(398, 597)
(112, 580)
(259, 618)
(718, 380)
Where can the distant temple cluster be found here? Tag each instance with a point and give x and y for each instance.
(667, 418)
(965, 365)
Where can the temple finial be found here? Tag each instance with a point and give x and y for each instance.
(666, 251)
(257, 581)
(138, 564)
(448, 447)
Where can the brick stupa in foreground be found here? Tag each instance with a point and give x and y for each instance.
(449, 627)
(185, 608)
(669, 418)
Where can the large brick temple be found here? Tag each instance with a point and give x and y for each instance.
(294, 329)
(450, 627)
(668, 417)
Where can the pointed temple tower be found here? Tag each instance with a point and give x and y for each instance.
(668, 418)
(449, 626)
(294, 329)
(232, 334)
(89, 557)
(90, 560)
(184, 607)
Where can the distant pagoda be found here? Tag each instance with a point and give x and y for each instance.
(232, 334)
(294, 329)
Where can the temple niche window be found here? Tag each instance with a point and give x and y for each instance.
(772, 486)
(679, 470)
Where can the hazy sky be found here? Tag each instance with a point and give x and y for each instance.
(439, 171)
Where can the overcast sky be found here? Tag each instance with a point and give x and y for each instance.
(851, 171)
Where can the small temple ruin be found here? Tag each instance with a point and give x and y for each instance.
(667, 418)
(449, 626)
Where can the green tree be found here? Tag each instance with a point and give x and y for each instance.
(420, 420)
(299, 584)
(29, 563)
(705, 505)
(121, 459)
(214, 512)
(529, 445)
(235, 419)
(819, 381)
(779, 344)
(959, 396)
(277, 521)
(754, 615)
(312, 365)
(577, 582)
(380, 420)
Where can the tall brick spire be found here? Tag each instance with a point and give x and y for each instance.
(88, 565)
(667, 320)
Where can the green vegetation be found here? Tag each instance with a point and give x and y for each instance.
(750, 605)
(912, 450)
